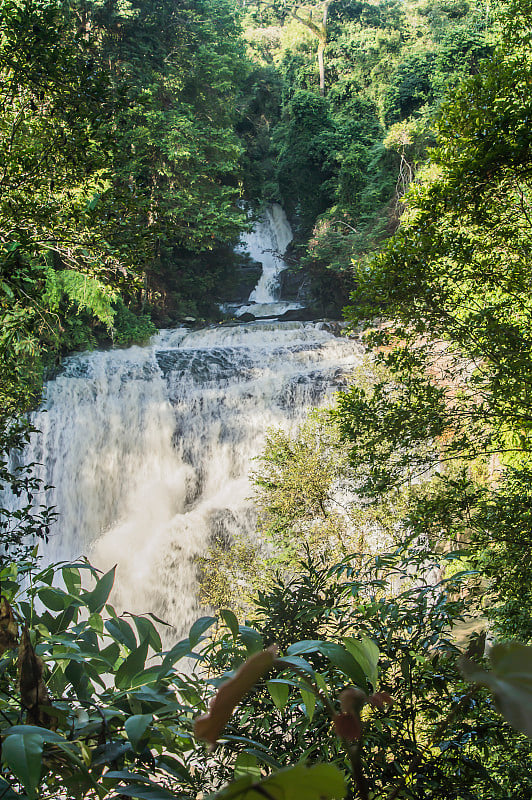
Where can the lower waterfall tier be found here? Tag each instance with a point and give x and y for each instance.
(149, 449)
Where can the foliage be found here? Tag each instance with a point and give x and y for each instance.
(386, 64)
(454, 280)
(117, 150)
(129, 328)
(300, 490)
(29, 520)
(510, 680)
(90, 711)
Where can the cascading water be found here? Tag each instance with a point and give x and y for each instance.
(267, 244)
(149, 449)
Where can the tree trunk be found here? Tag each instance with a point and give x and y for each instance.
(321, 65)
(321, 47)
(320, 30)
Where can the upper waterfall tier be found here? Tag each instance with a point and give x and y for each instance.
(149, 449)
(267, 243)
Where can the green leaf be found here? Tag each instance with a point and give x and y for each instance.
(305, 646)
(252, 639)
(231, 621)
(247, 764)
(345, 662)
(6, 792)
(147, 630)
(22, 753)
(131, 666)
(510, 681)
(97, 598)
(366, 653)
(198, 629)
(55, 599)
(122, 632)
(109, 752)
(264, 757)
(336, 654)
(296, 661)
(72, 579)
(178, 651)
(320, 782)
(136, 727)
(7, 289)
(279, 692)
(45, 734)
(309, 699)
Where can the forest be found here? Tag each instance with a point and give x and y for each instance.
(375, 640)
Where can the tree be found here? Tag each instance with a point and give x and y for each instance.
(454, 280)
(319, 29)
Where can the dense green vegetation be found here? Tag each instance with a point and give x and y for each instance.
(118, 162)
(135, 128)
(124, 140)
(340, 161)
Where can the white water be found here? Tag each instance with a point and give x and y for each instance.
(267, 244)
(149, 449)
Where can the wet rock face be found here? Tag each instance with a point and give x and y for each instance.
(294, 286)
(244, 280)
(298, 314)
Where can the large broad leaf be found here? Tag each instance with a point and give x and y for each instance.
(56, 599)
(279, 692)
(510, 680)
(178, 651)
(131, 666)
(109, 752)
(45, 734)
(366, 653)
(97, 598)
(231, 621)
(321, 782)
(296, 661)
(72, 579)
(199, 628)
(247, 764)
(337, 654)
(136, 728)
(6, 792)
(309, 700)
(147, 630)
(22, 753)
(122, 632)
(345, 662)
(252, 639)
(305, 646)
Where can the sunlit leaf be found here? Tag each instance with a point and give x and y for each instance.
(231, 621)
(279, 692)
(198, 629)
(136, 728)
(97, 598)
(320, 782)
(131, 666)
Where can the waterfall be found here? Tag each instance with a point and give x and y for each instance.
(267, 243)
(149, 449)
